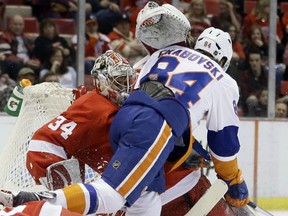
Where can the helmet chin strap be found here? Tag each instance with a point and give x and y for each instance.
(224, 63)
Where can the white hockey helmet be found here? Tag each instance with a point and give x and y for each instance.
(114, 77)
(218, 44)
(160, 26)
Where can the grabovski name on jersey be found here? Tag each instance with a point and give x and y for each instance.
(194, 56)
(191, 75)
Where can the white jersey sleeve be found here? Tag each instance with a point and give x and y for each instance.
(222, 120)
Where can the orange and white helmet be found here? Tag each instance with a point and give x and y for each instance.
(114, 77)
(161, 26)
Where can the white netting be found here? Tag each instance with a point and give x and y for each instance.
(41, 103)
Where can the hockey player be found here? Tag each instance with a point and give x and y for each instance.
(215, 38)
(146, 128)
(197, 80)
(83, 130)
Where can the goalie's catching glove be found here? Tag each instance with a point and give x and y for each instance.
(237, 194)
(9, 199)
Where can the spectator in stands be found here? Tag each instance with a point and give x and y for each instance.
(284, 40)
(49, 39)
(257, 106)
(95, 45)
(238, 49)
(255, 40)
(253, 80)
(95, 6)
(57, 64)
(281, 110)
(26, 73)
(260, 16)
(256, 30)
(183, 5)
(227, 16)
(56, 9)
(2, 10)
(50, 77)
(6, 88)
(124, 42)
(238, 57)
(16, 48)
(197, 17)
(106, 11)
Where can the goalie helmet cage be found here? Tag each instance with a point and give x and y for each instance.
(41, 103)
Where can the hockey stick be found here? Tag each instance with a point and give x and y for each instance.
(209, 199)
(258, 209)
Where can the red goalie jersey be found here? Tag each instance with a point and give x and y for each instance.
(82, 132)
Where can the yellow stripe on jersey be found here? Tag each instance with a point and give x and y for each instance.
(146, 163)
(75, 198)
(169, 167)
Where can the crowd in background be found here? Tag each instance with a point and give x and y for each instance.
(110, 24)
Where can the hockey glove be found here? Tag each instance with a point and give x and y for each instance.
(237, 194)
(64, 173)
(199, 157)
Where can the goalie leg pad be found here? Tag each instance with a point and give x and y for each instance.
(63, 173)
(183, 204)
(6, 198)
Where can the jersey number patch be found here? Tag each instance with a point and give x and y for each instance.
(67, 128)
(186, 85)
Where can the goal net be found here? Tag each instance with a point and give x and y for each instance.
(41, 103)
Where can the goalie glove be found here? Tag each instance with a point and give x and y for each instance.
(10, 199)
(62, 174)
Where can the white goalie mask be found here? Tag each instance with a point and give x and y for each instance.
(218, 44)
(161, 26)
(114, 77)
